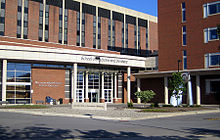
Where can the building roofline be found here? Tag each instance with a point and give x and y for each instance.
(119, 9)
(160, 74)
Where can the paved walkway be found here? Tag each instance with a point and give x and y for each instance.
(113, 113)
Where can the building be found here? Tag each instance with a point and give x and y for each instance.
(77, 50)
(188, 42)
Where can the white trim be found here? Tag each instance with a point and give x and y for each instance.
(18, 83)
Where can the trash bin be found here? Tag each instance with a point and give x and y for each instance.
(61, 100)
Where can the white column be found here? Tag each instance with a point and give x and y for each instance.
(111, 17)
(124, 31)
(129, 84)
(87, 85)
(80, 25)
(138, 89)
(116, 91)
(198, 92)
(63, 22)
(74, 82)
(102, 82)
(112, 85)
(166, 90)
(190, 96)
(4, 79)
(44, 15)
(22, 19)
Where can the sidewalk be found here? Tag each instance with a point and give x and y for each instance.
(113, 113)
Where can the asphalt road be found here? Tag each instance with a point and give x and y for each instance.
(20, 126)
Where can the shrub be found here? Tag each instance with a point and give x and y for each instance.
(154, 105)
(130, 104)
(145, 96)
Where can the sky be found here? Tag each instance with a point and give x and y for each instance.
(144, 6)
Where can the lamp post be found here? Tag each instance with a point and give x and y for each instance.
(179, 61)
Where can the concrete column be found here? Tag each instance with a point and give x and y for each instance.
(74, 82)
(102, 82)
(22, 19)
(198, 91)
(63, 22)
(80, 25)
(97, 26)
(115, 89)
(166, 90)
(4, 79)
(112, 88)
(190, 96)
(129, 84)
(138, 89)
(44, 16)
(87, 86)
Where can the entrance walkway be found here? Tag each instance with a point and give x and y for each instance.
(114, 112)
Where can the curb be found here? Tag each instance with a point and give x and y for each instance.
(154, 116)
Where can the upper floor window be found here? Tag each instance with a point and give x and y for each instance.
(211, 8)
(210, 34)
(2, 17)
(184, 35)
(212, 59)
(183, 12)
(184, 59)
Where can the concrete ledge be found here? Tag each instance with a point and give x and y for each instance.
(90, 106)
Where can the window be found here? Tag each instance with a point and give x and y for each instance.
(25, 30)
(2, 18)
(212, 86)
(65, 26)
(60, 24)
(109, 32)
(99, 32)
(183, 12)
(113, 33)
(40, 30)
(94, 32)
(184, 59)
(211, 9)
(78, 29)
(212, 60)
(46, 34)
(184, 35)
(83, 30)
(19, 13)
(210, 34)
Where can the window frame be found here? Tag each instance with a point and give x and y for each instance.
(207, 34)
(206, 11)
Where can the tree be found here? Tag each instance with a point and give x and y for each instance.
(176, 84)
(145, 96)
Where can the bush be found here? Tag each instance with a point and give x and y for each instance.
(167, 106)
(130, 104)
(145, 96)
(154, 105)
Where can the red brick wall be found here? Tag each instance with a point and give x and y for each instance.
(143, 38)
(11, 18)
(54, 24)
(155, 84)
(33, 20)
(104, 33)
(72, 23)
(89, 30)
(118, 33)
(153, 36)
(41, 89)
(131, 36)
(170, 34)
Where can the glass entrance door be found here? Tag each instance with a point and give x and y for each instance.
(108, 87)
(93, 96)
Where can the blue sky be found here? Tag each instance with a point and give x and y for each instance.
(145, 6)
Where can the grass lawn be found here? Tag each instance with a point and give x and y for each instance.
(24, 107)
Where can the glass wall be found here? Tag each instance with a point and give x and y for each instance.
(18, 85)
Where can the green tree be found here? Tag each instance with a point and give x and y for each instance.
(145, 96)
(176, 84)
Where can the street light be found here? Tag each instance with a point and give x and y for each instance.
(179, 61)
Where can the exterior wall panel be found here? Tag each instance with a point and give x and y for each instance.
(11, 18)
(153, 36)
(104, 33)
(72, 23)
(54, 24)
(89, 30)
(143, 38)
(118, 33)
(33, 20)
(131, 36)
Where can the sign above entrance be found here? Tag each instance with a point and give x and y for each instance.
(103, 60)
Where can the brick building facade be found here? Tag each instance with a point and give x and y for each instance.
(88, 46)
